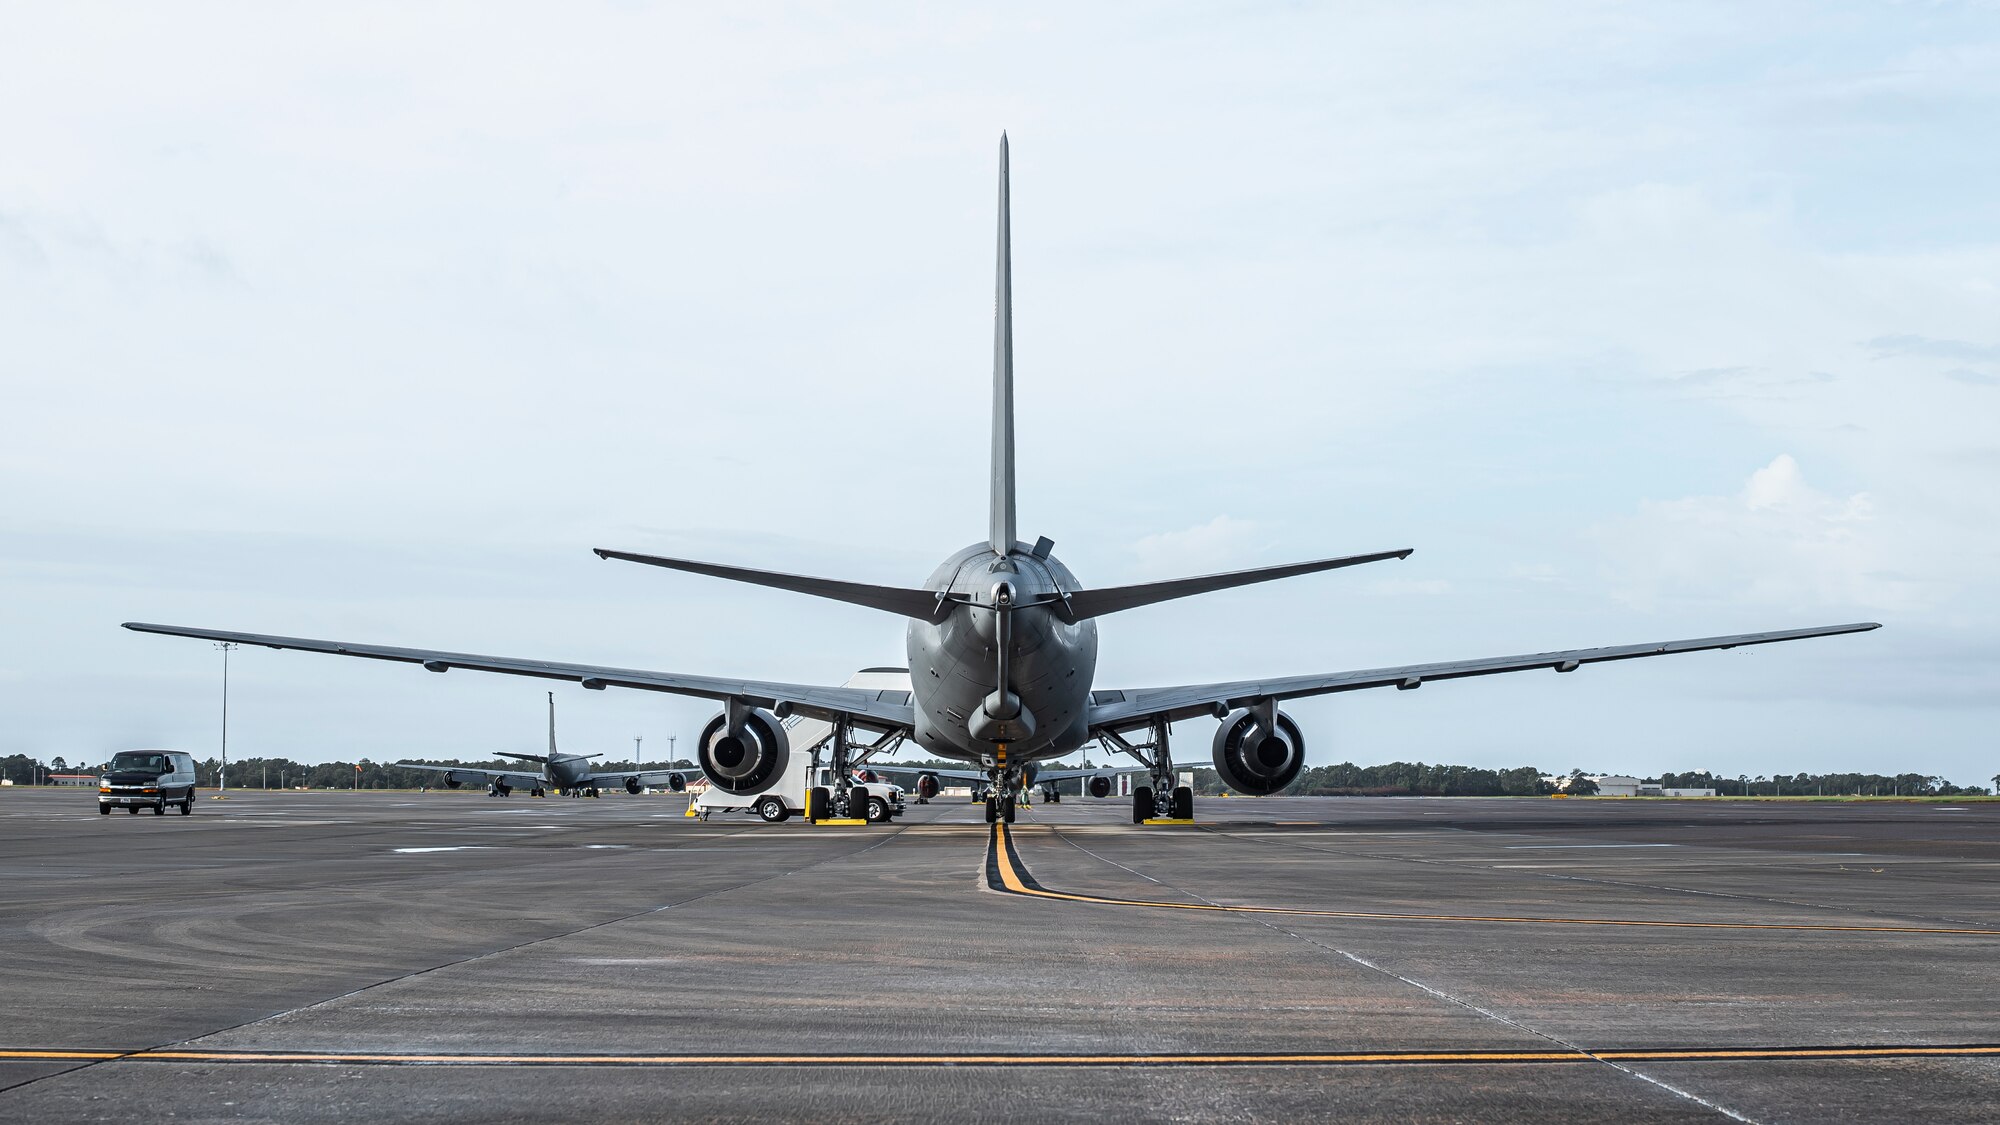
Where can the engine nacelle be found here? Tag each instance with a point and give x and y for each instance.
(676, 783)
(1098, 786)
(633, 787)
(451, 781)
(745, 764)
(1256, 761)
(927, 785)
(502, 788)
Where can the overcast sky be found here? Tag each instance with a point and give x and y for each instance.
(1636, 322)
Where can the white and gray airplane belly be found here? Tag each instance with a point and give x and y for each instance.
(953, 663)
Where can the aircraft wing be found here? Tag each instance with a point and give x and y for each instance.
(878, 710)
(1124, 710)
(513, 778)
(648, 778)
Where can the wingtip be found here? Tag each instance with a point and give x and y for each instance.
(1406, 552)
(600, 552)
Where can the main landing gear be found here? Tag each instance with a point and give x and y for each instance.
(1163, 799)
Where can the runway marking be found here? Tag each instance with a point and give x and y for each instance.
(999, 1060)
(1006, 874)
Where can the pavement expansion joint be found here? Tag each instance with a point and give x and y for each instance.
(1002, 1060)
(1006, 874)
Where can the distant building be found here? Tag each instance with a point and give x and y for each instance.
(1617, 785)
(86, 779)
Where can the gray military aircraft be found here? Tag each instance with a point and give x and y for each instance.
(1002, 644)
(569, 774)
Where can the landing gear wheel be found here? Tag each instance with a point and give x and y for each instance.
(992, 810)
(819, 803)
(1142, 805)
(1183, 803)
(538, 793)
(773, 810)
(592, 790)
(1007, 809)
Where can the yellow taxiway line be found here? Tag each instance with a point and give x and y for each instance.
(1006, 873)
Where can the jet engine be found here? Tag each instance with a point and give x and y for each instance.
(1097, 786)
(676, 783)
(1256, 761)
(451, 781)
(746, 763)
(927, 785)
(633, 787)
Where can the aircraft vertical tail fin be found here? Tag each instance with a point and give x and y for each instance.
(1000, 530)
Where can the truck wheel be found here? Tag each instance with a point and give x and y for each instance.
(159, 808)
(187, 805)
(132, 809)
(1142, 804)
(104, 810)
(877, 810)
(773, 810)
(1183, 803)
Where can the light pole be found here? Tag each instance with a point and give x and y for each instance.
(222, 773)
(670, 749)
(637, 761)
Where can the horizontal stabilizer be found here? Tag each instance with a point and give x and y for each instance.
(924, 605)
(523, 757)
(1097, 603)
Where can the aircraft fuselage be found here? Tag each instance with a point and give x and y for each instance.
(954, 664)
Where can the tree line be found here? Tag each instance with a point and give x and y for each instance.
(1392, 779)
(284, 773)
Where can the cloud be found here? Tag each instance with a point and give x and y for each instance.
(1220, 544)
(1973, 378)
(1907, 344)
(1777, 542)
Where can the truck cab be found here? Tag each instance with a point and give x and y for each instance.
(147, 779)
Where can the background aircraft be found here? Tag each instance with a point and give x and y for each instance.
(1002, 645)
(569, 774)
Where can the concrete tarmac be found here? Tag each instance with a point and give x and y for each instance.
(307, 957)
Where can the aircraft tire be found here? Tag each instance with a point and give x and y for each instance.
(1183, 803)
(1142, 804)
(1007, 810)
(992, 810)
(819, 803)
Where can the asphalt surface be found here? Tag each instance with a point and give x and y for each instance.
(307, 957)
